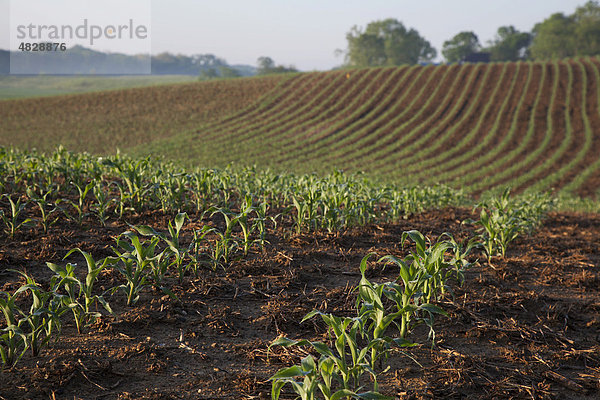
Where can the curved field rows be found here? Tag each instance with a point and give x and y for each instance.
(531, 126)
(528, 125)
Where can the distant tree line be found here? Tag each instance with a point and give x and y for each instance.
(81, 60)
(389, 42)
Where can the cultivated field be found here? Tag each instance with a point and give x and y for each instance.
(477, 127)
(134, 278)
(128, 279)
(14, 87)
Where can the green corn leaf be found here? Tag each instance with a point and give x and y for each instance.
(290, 372)
(433, 309)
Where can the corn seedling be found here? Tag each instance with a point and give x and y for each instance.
(242, 220)
(460, 262)
(341, 366)
(101, 205)
(408, 296)
(79, 205)
(315, 376)
(306, 205)
(174, 249)
(79, 294)
(197, 251)
(226, 243)
(44, 315)
(371, 309)
(137, 264)
(260, 223)
(499, 223)
(132, 173)
(12, 222)
(43, 204)
(431, 261)
(13, 341)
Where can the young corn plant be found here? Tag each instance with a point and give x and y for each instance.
(79, 205)
(242, 219)
(340, 368)
(307, 205)
(13, 340)
(43, 204)
(43, 319)
(459, 261)
(174, 249)
(260, 223)
(136, 188)
(409, 296)
(11, 222)
(226, 244)
(138, 264)
(499, 224)
(79, 296)
(197, 250)
(430, 259)
(372, 310)
(102, 203)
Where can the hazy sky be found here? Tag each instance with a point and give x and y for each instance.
(306, 33)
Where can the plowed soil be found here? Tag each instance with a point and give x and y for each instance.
(526, 327)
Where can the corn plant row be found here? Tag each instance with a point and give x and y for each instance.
(447, 172)
(384, 102)
(280, 105)
(344, 100)
(285, 89)
(582, 177)
(502, 220)
(393, 107)
(550, 179)
(442, 131)
(79, 187)
(475, 139)
(339, 118)
(551, 161)
(512, 167)
(424, 132)
(143, 257)
(387, 312)
(408, 115)
(385, 315)
(320, 92)
(500, 155)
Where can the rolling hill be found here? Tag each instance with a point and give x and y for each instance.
(529, 125)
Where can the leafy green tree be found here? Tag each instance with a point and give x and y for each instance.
(460, 46)
(553, 38)
(509, 44)
(387, 42)
(266, 65)
(587, 29)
